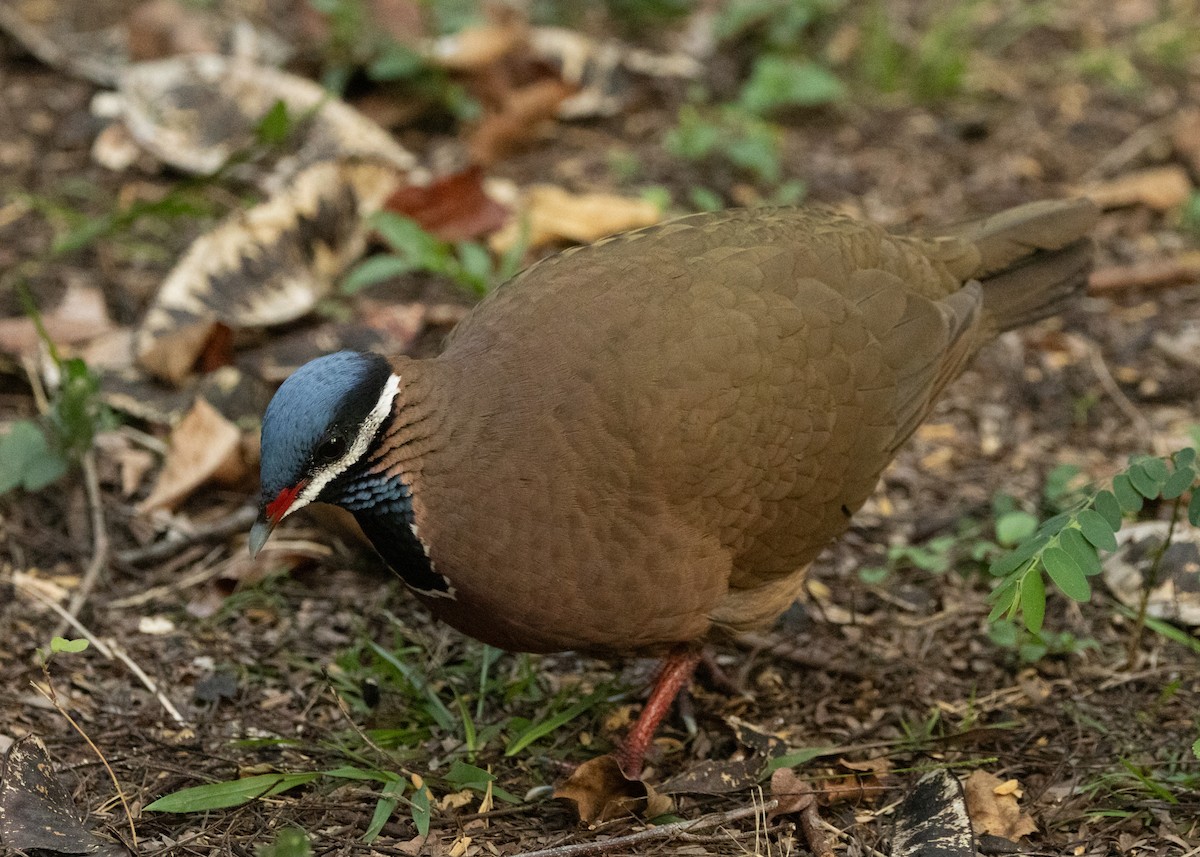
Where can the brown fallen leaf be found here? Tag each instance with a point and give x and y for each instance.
(992, 805)
(524, 113)
(80, 315)
(792, 793)
(553, 215)
(454, 207)
(474, 49)
(1160, 188)
(601, 792)
(204, 446)
(264, 266)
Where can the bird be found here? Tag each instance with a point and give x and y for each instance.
(638, 445)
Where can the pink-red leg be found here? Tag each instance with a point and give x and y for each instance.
(674, 676)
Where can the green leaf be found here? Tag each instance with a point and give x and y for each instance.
(389, 798)
(462, 775)
(1033, 600)
(27, 459)
(798, 758)
(545, 727)
(396, 62)
(1185, 457)
(349, 772)
(231, 793)
(1194, 509)
(1012, 528)
(873, 575)
(1053, 526)
(1110, 510)
(1178, 482)
(1130, 499)
(61, 644)
(420, 810)
(375, 270)
(1066, 574)
(1095, 529)
(276, 124)
(1006, 565)
(1058, 483)
(777, 81)
(290, 842)
(1073, 542)
(1196, 748)
(1156, 469)
(436, 708)
(1004, 634)
(1143, 480)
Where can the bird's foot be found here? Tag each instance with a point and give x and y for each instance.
(674, 676)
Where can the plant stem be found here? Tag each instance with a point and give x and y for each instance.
(1151, 581)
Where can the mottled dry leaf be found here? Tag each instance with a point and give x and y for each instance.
(453, 208)
(80, 315)
(555, 215)
(195, 112)
(1160, 188)
(37, 814)
(264, 266)
(792, 793)
(756, 738)
(202, 446)
(716, 777)
(601, 792)
(932, 821)
(519, 120)
(997, 814)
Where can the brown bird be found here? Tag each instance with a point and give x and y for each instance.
(635, 444)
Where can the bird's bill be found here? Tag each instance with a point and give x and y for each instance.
(260, 532)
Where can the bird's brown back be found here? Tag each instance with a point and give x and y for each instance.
(635, 440)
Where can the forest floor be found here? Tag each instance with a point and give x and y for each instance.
(316, 662)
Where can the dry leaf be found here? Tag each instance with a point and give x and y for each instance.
(792, 793)
(1160, 188)
(716, 777)
(80, 315)
(520, 120)
(454, 207)
(264, 266)
(601, 792)
(554, 215)
(995, 813)
(195, 112)
(202, 446)
(473, 49)
(933, 820)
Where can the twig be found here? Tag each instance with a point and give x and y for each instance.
(814, 831)
(99, 559)
(232, 523)
(52, 697)
(109, 649)
(1148, 586)
(1114, 391)
(206, 569)
(1149, 275)
(666, 832)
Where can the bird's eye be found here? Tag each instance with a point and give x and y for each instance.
(330, 450)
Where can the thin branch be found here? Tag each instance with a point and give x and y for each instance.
(230, 524)
(663, 833)
(99, 560)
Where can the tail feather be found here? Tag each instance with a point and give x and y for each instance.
(1032, 259)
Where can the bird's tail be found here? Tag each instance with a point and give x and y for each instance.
(1032, 259)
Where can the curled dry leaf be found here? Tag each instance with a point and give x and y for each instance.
(264, 266)
(81, 315)
(473, 49)
(195, 112)
(454, 208)
(1161, 188)
(553, 215)
(204, 447)
(791, 793)
(521, 118)
(993, 807)
(601, 792)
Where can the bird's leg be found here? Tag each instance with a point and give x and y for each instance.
(676, 672)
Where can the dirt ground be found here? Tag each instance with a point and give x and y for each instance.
(272, 669)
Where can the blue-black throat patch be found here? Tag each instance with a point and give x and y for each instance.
(382, 505)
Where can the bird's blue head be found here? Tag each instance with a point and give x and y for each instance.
(318, 426)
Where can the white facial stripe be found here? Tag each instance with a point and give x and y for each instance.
(357, 449)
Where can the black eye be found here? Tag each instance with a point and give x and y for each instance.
(330, 450)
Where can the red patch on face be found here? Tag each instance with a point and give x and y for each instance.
(278, 507)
